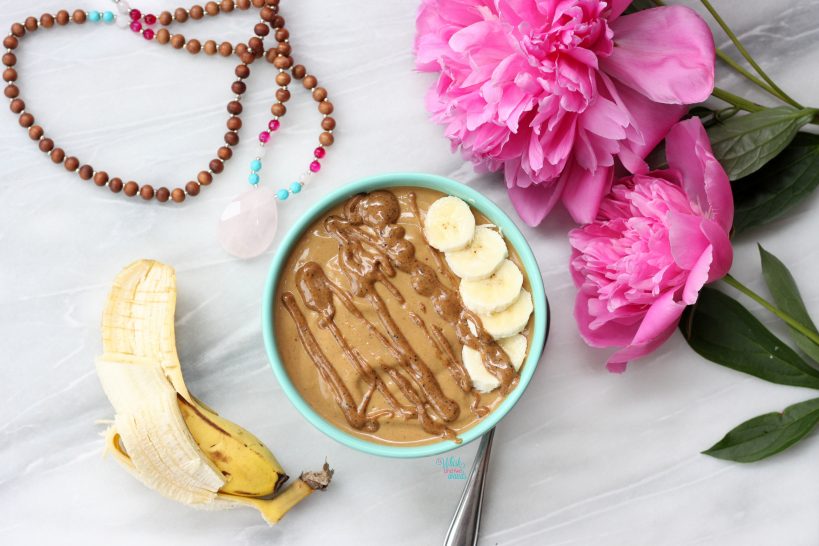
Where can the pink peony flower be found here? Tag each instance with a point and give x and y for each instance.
(658, 238)
(553, 90)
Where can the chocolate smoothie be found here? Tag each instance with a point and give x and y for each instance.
(370, 325)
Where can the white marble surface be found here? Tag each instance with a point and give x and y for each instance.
(585, 458)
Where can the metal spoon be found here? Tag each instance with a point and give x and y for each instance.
(463, 531)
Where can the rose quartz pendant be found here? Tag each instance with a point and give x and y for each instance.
(248, 224)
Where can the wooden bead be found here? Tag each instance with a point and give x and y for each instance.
(46, 20)
(46, 145)
(78, 16)
(319, 94)
(282, 62)
(71, 164)
(216, 165)
(309, 82)
(165, 18)
(9, 59)
(234, 124)
(282, 34)
(256, 45)
(11, 91)
(194, 46)
(17, 106)
(225, 49)
(10, 42)
(238, 87)
(277, 22)
(284, 49)
(243, 4)
(10, 75)
(224, 153)
(57, 155)
(257, 3)
(192, 188)
(102, 177)
(18, 30)
(272, 3)
(31, 23)
(163, 194)
(226, 6)
(298, 71)
(163, 36)
(283, 78)
(212, 8)
(177, 41)
(146, 192)
(282, 95)
(231, 138)
(278, 110)
(242, 71)
(131, 188)
(267, 14)
(196, 12)
(326, 139)
(328, 124)
(26, 120)
(209, 47)
(62, 17)
(261, 29)
(178, 195)
(180, 15)
(204, 178)
(240, 49)
(325, 107)
(35, 132)
(271, 55)
(247, 57)
(86, 172)
(115, 185)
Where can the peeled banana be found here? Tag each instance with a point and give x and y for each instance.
(162, 434)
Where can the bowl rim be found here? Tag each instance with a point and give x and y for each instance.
(510, 232)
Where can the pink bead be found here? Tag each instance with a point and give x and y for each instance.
(264, 137)
(150, 18)
(148, 34)
(315, 166)
(319, 152)
(136, 26)
(274, 124)
(135, 14)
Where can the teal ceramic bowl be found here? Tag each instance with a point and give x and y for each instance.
(478, 202)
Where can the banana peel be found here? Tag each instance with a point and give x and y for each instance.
(164, 435)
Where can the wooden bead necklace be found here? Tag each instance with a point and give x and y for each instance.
(248, 224)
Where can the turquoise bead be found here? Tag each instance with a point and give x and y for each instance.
(282, 195)
(295, 187)
(94, 16)
(108, 16)
(253, 178)
(255, 165)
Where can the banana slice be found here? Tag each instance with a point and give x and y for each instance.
(481, 257)
(494, 293)
(482, 380)
(511, 320)
(449, 224)
(515, 348)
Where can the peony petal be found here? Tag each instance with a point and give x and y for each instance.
(534, 202)
(687, 240)
(723, 251)
(698, 276)
(611, 334)
(584, 190)
(665, 53)
(705, 182)
(617, 7)
(659, 323)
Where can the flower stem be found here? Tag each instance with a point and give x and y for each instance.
(779, 93)
(750, 77)
(736, 100)
(787, 319)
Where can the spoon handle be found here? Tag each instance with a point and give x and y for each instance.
(463, 531)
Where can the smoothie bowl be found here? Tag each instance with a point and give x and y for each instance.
(404, 315)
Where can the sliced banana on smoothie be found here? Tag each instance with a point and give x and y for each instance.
(494, 293)
(449, 224)
(482, 379)
(481, 257)
(515, 348)
(511, 320)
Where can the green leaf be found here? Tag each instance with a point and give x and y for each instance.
(782, 183)
(720, 329)
(767, 434)
(639, 5)
(743, 144)
(787, 298)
